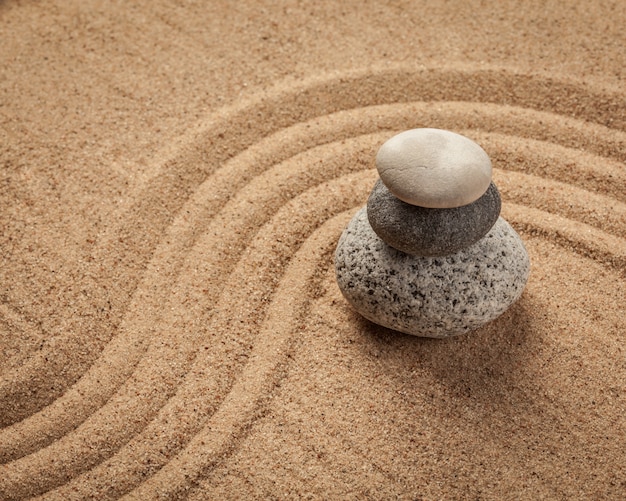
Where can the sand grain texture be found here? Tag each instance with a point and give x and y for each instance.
(175, 177)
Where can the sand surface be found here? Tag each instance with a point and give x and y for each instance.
(174, 177)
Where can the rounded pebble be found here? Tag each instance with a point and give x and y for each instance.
(431, 232)
(434, 168)
(434, 297)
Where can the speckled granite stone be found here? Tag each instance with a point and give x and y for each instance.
(430, 296)
(431, 232)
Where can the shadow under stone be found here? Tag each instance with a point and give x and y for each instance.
(485, 364)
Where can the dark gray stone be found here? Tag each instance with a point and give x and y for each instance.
(430, 296)
(431, 232)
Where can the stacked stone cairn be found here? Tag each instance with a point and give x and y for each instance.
(430, 255)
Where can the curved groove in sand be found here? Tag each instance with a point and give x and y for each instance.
(281, 217)
(156, 433)
(604, 214)
(603, 169)
(238, 410)
(230, 153)
(59, 460)
(217, 436)
(123, 353)
(592, 171)
(585, 240)
(317, 97)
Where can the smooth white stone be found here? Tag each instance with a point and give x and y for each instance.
(434, 168)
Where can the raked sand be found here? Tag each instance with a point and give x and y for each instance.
(174, 180)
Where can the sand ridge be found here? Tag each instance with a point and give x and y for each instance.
(220, 361)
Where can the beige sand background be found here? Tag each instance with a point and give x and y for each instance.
(174, 178)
